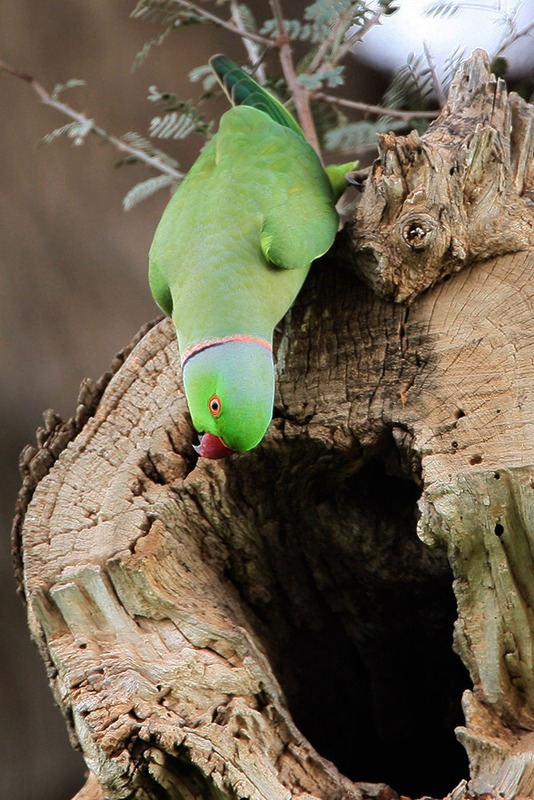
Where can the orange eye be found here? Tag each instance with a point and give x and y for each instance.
(214, 405)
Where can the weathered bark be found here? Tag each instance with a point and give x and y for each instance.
(458, 194)
(204, 622)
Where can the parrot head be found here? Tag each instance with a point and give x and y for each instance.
(229, 386)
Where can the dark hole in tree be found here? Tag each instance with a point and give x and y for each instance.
(360, 627)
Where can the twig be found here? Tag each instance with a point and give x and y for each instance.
(514, 37)
(319, 61)
(299, 92)
(370, 109)
(316, 63)
(152, 161)
(250, 45)
(357, 36)
(222, 23)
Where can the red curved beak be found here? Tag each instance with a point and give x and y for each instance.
(211, 446)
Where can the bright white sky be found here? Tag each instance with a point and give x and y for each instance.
(479, 23)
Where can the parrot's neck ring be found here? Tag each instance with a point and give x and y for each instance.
(239, 337)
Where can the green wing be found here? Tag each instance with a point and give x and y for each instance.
(242, 90)
(257, 184)
(159, 286)
(284, 179)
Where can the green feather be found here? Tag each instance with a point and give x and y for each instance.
(336, 175)
(242, 90)
(241, 374)
(232, 251)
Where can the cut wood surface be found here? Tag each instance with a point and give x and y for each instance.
(204, 622)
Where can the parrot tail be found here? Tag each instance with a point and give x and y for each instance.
(243, 90)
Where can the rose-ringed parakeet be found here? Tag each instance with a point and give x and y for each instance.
(230, 254)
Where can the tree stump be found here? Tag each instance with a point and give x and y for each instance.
(280, 624)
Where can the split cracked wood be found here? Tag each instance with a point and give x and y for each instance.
(203, 622)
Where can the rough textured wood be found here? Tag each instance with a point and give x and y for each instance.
(91, 790)
(203, 622)
(460, 193)
(136, 594)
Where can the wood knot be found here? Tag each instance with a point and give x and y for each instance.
(418, 231)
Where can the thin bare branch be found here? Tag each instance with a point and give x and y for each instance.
(371, 109)
(514, 37)
(222, 23)
(299, 92)
(357, 36)
(45, 97)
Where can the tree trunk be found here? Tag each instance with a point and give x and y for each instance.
(280, 624)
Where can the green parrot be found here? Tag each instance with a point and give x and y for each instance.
(231, 252)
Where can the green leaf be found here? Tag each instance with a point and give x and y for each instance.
(411, 86)
(331, 77)
(326, 117)
(206, 75)
(247, 18)
(172, 126)
(357, 135)
(324, 12)
(139, 142)
(452, 64)
(165, 10)
(295, 29)
(335, 16)
(145, 189)
(61, 87)
(443, 9)
(156, 41)
(185, 114)
(77, 131)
